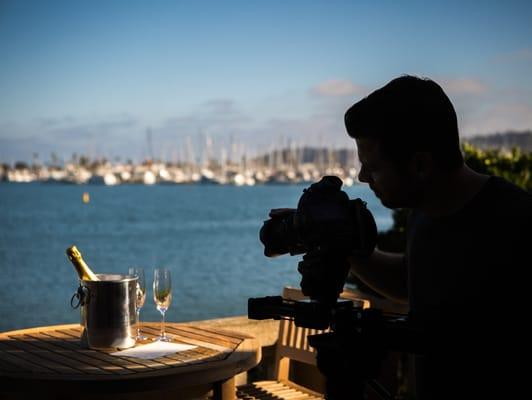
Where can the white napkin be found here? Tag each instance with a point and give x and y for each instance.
(153, 350)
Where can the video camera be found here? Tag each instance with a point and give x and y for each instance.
(327, 227)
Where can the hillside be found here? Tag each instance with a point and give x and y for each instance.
(503, 141)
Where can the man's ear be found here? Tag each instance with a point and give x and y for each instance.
(422, 165)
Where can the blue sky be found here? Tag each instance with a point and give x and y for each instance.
(92, 77)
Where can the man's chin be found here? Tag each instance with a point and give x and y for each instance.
(391, 204)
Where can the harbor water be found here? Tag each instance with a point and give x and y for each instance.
(207, 235)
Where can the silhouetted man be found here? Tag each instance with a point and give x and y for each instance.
(464, 269)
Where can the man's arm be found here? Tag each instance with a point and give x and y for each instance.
(383, 272)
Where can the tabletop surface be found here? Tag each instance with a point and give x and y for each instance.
(54, 352)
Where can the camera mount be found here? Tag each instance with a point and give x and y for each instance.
(351, 353)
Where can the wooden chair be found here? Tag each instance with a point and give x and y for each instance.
(292, 345)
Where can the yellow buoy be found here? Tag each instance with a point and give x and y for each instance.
(86, 197)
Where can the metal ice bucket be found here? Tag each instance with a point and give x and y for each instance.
(108, 314)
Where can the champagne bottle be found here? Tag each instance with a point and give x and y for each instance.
(83, 270)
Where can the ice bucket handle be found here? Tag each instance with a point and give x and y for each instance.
(82, 296)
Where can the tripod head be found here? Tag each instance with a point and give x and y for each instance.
(345, 317)
(305, 313)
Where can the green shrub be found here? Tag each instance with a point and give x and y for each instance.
(515, 166)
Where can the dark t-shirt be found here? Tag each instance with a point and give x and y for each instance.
(468, 286)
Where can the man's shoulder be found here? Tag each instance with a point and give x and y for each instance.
(506, 197)
(501, 185)
(499, 201)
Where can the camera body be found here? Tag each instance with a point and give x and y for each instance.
(327, 227)
(325, 220)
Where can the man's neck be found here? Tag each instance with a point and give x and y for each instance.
(449, 193)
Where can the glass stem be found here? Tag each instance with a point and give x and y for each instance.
(138, 322)
(163, 334)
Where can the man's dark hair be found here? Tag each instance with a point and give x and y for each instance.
(408, 115)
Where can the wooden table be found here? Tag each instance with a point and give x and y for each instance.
(50, 363)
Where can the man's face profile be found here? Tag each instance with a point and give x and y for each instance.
(394, 186)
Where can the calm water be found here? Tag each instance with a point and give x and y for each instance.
(206, 235)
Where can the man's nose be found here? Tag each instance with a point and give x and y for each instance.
(363, 176)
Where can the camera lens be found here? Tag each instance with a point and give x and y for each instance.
(279, 236)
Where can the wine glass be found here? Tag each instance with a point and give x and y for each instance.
(140, 296)
(162, 295)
